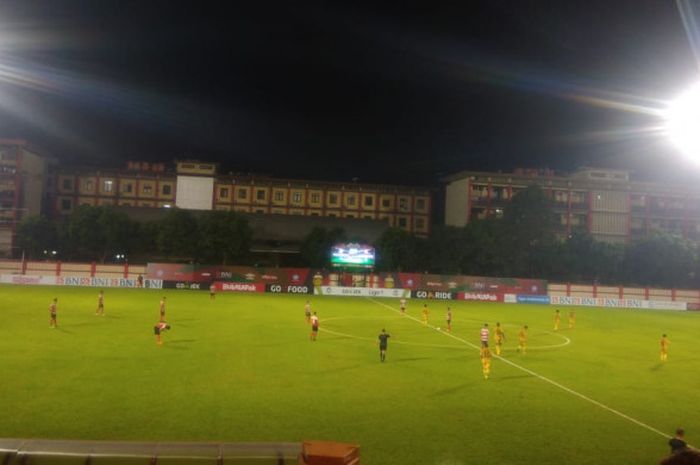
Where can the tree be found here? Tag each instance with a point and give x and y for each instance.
(400, 250)
(35, 235)
(178, 234)
(95, 232)
(224, 237)
(528, 235)
(663, 259)
(316, 246)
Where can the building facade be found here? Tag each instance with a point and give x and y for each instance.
(605, 203)
(197, 185)
(22, 188)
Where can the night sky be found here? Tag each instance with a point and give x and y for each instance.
(330, 90)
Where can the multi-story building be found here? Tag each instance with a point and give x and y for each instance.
(22, 183)
(606, 203)
(196, 185)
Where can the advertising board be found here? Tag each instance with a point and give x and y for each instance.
(480, 296)
(361, 292)
(223, 286)
(433, 295)
(79, 281)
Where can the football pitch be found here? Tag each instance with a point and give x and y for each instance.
(242, 368)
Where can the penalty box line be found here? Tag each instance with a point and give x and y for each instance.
(536, 375)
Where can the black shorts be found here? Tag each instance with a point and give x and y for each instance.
(484, 343)
(382, 348)
(314, 329)
(156, 330)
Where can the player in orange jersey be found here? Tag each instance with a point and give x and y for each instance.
(158, 329)
(314, 326)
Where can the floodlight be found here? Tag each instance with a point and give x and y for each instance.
(683, 122)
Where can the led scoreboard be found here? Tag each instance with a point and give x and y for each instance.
(352, 255)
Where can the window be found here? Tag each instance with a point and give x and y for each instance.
(315, 198)
(369, 201)
(333, 199)
(351, 199)
(167, 189)
(128, 188)
(88, 185)
(259, 210)
(68, 184)
(279, 196)
(403, 204)
(420, 224)
(147, 189)
(108, 185)
(296, 197)
(332, 215)
(66, 204)
(223, 192)
(402, 222)
(242, 194)
(260, 194)
(313, 214)
(420, 204)
(386, 203)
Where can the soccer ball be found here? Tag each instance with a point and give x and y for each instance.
(438, 328)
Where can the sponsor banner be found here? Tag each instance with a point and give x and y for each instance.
(224, 286)
(433, 295)
(532, 299)
(341, 278)
(480, 296)
(186, 285)
(361, 292)
(28, 280)
(510, 298)
(666, 305)
(617, 303)
(693, 306)
(596, 301)
(170, 272)
(287, 289)
(108, 282)
(79, 281)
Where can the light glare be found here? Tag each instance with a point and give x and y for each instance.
(683, 123)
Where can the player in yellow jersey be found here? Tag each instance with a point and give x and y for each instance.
(572, 319)
(485, 362)
(499, 337)
(425, 314)
(522, 340)
(664, 342)
(557, 320)
(100, 303)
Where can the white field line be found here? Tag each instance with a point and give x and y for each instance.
(536, 375)
(566, 342)
(373, 339)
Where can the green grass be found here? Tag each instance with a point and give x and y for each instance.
(243, 369)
